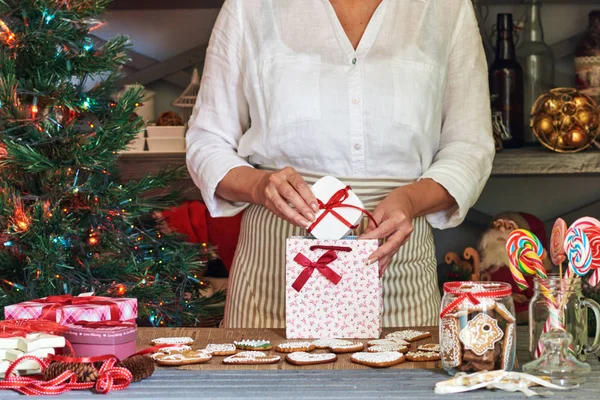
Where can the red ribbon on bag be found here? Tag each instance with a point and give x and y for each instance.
(337, 201)
(59, 302)
(458, 289)
(110, 378)
(310, 266)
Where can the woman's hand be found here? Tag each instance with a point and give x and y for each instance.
(395, 215)
(277, 190)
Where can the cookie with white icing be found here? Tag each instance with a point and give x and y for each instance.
(429, 347)
(347, 348)
(226, 349)
(186, 341)
(391, 340)
(253, 344)
(291, 347)
(450, 348)
(251, 358)
(507, 356)
(409, 335)
(378, 360)
(481, 334)
(303, 358)
(185, 358)
(328, 342)
(502, 311)
(422, 356)
(381, 348)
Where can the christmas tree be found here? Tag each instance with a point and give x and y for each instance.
(67, 225)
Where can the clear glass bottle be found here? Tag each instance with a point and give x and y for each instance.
(537, 60)
(573, 314)
(477, 327)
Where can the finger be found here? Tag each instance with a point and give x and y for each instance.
(303, 189)
(390, 247)
(371, 225)
(385, 229)
(288, 193)
(384, 264)
(283, 209)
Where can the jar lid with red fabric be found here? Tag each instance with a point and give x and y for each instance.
(477, 327)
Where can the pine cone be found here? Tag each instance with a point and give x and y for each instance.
(84, 372)
(141, 367)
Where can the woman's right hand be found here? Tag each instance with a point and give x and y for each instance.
(287, 195)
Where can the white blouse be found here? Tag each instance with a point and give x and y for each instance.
(283, 86)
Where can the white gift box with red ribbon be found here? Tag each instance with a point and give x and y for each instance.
(340, 209)
(330, 290)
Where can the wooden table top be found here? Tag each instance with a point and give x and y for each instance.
(346, 384)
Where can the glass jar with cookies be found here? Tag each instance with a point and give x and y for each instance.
(477, 327)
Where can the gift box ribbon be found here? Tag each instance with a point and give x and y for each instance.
(21, 327)
(337, 201)
(456, 288)
(56, 303)
(310, 266)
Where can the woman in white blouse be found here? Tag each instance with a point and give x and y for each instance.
(390, 96)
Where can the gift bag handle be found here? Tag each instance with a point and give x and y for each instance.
(334, 248)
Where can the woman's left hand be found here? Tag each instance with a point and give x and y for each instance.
(395, 217)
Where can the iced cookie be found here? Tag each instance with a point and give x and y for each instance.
(378, 360)
(253, 345)
(251, 358)
(303, 358)
(399, 341)
(409, 335)
(327, 343)
(507, 357)
(291, 347)
(186, 341)
(505, 314)
(221, 349)
(429, 347)
(175, 349)
(422, 356)
(186, 358)
(481, 334)
(451, 349)
(347, 348)
(381, 348)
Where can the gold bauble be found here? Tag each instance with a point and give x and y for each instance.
(565, 120)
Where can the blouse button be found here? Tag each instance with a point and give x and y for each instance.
(356, 100)
(357, 146)
(354, 60)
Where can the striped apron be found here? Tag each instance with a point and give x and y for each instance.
(256, 294)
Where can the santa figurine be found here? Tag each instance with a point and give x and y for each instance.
(494, 265)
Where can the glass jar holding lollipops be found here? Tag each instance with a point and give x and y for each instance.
(553, 345)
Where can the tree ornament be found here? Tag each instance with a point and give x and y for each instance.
(565, 120)
(20, 218)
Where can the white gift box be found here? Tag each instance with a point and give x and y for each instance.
(331, 292)
(32, 342)
(342, 209)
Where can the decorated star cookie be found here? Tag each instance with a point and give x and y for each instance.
(303, 358)
(481, 334)
(378, 360)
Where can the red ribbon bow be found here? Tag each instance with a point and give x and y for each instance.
(56, 303)
(110, 378)
(337, 201)
(460, 289)
(310, 266)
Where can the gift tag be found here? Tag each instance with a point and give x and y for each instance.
(336, 221)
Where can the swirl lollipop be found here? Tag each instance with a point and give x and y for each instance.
(593, 235)
(525, 253)
(578, 250)
(557, 240)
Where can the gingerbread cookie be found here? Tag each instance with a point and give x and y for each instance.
(429, 347)
(227, 349)
(481, 334)
(381, 348)
(175, 349)
(185, 358)
(327, 343)
(253, 345)
(251, 358)
(378, 360)
(384, 342)
(409, 335)
(291, 347)
(505, 313)
(451, 349)
(485, 305)
(347, 348)
(186, 341)
(422, 356)
(303, 358)
(507, 355)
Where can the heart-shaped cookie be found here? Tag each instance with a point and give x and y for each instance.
(303, 358)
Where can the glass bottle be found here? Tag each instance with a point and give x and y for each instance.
(481, 15)
(506, 86)
(537, 60)
(587, 59)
